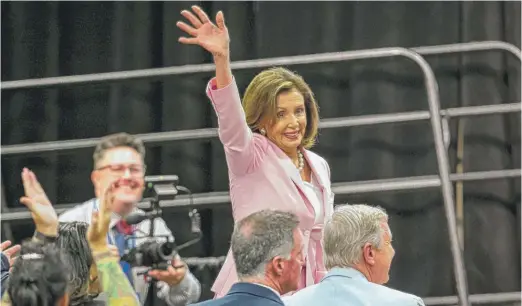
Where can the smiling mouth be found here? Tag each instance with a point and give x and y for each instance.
(292, 135)
(126, 185)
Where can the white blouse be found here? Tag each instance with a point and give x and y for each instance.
(314, 194)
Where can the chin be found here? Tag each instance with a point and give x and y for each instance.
(292, 144)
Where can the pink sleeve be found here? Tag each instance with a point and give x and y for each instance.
(242, 150)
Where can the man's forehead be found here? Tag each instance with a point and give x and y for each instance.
(121, 155)
(385, 226)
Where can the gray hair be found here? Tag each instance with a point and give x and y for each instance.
(117, 140)
(259, 238)
(348, 230)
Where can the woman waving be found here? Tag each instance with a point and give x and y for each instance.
(266, 142)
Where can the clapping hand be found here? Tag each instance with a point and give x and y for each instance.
(36, 201)
(214, 38)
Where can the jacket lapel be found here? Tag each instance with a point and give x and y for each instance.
(293, 172)
(314, 163)
(322, 178)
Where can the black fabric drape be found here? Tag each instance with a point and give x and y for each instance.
(44, 39)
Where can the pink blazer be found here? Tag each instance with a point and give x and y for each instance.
(261, 177)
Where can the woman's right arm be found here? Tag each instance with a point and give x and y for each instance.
(234, 132)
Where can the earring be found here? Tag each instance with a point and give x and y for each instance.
(263, 132)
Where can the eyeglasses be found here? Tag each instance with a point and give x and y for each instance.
(135, 170)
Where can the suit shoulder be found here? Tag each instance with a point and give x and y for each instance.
(260, 141)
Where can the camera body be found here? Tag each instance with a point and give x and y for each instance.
(157, 251)
(151, 253)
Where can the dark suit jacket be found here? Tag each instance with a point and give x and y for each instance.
(246, 294)
(4, 272)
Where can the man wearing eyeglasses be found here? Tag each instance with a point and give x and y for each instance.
(119, 159)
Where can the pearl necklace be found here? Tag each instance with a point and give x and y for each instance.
(300, 159)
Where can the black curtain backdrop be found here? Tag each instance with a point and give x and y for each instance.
(46, 39)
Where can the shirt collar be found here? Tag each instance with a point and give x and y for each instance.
(346, 272)
(275, 291)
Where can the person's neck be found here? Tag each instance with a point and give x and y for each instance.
(267, 281)
(292, 154)
(123, 214)
(365, 270)
(117, 203)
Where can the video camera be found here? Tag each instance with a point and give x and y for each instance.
(157, 251)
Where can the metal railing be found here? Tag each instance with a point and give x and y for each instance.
(442, 180)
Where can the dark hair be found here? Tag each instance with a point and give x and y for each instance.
(38, 276)
(74, 248)
(117, 140)
(260, 237)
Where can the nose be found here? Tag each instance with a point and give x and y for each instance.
(127, 173)
(294, 121)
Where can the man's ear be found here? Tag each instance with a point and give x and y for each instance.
(369, 253)
(277, 265)
(94, 177)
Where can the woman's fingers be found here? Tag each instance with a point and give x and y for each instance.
(193, 19)
(188, 41)
(220, 20)
(201, 14)
(186, 28)
(26, 182)
(28, 202)
(36, 184)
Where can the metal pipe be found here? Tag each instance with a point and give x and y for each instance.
(395, 184)
(382, 185)
(469, 47)
(259, 63)
(6, 227)
(208, 133)
(373, 119)
(202, 262)
(199, 68)
(475, 298)
(481, 110)
(418, 182)
(447, 188)
(459, 186)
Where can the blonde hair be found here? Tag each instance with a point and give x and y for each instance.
(260, 100)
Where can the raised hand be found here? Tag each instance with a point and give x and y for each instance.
(99, 227)
(36, 201)
(214, 38)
